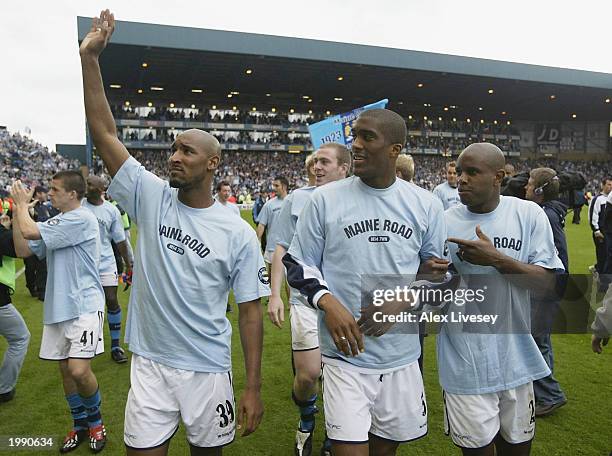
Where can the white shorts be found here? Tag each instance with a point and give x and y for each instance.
(161, 396)
(473, 420)
(109, 279)
(304, 328)
(81, 337)
(391, 406)
(268, 256)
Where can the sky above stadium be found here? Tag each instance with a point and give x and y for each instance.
(40, 80)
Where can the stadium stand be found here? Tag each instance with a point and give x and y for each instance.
(25, 159)
(247, 171)
(239, 127)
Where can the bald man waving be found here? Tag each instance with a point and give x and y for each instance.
(187, 262)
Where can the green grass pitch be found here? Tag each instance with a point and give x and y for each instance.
(582, 427)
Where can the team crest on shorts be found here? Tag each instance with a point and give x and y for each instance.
(53, 222)
(263, 276)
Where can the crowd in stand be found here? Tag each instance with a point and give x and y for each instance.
(25, 159)
(226, 137)
(213, 115)
(294, 119)
(430, 138)
(247, 172)
(420, 144)
(461, 126)
(415, 145)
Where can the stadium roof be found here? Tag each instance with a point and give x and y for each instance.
(336, 76)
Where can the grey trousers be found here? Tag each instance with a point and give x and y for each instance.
(14, 329)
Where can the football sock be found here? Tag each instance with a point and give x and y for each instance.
(114, 324)
(327, 443)
(77, 410)
(92, 405)
(307, 412)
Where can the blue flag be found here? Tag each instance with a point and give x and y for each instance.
(338, 128)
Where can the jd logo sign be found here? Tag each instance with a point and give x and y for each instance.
(548, 134)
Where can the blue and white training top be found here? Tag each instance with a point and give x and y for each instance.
(448, 195)
(470, 363)
(188, 260)
(349, 229)
(111, 229)
(71, 243)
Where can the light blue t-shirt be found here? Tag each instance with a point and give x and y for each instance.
(287, 221)
(348, 230)
(447, 194)
(289, 214)
(231, 206)
(188, 261)
(471, 363)
(71, 243)
(268, 216)
(111, 229)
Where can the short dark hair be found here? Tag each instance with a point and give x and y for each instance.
(283, 180)
(72, 181)
(606, 179)
(222, 184)
(343, 154)
(451, 164)
(392, 125)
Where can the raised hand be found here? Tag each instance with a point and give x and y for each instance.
(20, 194)
(101, 30)
(99, 116)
